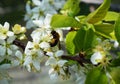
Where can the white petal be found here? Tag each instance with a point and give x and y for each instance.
(35, 15)
(3, 36)
(28, 46)
(36, 64)
(60, 32)
(50, 54)
(6, 25)
(40, 53)
(2, 50)
(5, 66)
(36, 2)
(9, 51)
(53, 74)
(9, 33)
(28, 9)
(11, 39)
(29, 24)
(62, 62)
(36, 35)
(96, 58)
(2, 42)
(51, 61)
(44, 45)
(28, 68)
(62, 71)
(15, 63)
(18, 54)
(59, 53)
(39, 23)
(47, 20)
(28, 60)
(13, 47)
(1, 59)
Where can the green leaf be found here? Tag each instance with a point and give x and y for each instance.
(96, 76)
(104, 29)
(80, 40)
(117, 29)
(116, 62)
(115, 75)
(111, 16)
(64, 21)
(71, 7)
(72, 48)
(99, 13)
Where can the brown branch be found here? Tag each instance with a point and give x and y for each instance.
(20, 44)
(76, 58)
(80, 59)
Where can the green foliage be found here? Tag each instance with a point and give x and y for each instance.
(104, 29)
(72, 48)
(64, 21)
(96, 76)
(71, 7)
(115, 73)
(80, 40)
(117, 29)
(99, 13)
(111, 16)
(116, 61)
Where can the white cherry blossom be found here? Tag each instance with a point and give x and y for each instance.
(96, 58)
(33, 56)
(4, 31)
(57, 65)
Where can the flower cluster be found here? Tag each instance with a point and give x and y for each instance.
(57, 64)
(41, 45)
(101, 51)
(10, 54)
(40, 9)
(87, 43)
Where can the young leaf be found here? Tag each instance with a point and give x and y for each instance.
(71, 7)
(104, 29)
(96, 76)
(99, 13)
(64, 21)
(72, 48)
(117, 29)
(111, 16)
(77, 41)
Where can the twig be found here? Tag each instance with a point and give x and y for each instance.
(80, 59)
(20, 44)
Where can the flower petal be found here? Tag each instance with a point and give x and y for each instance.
(6, 25)
(51, 61)
(28, 60)
(18, 54)
(59, 53)
(96, 58)
(2, 50)
(53, 74)
(62, 62)
(36, 64)
(36, 2)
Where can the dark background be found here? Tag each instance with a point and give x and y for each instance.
(13, 11)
